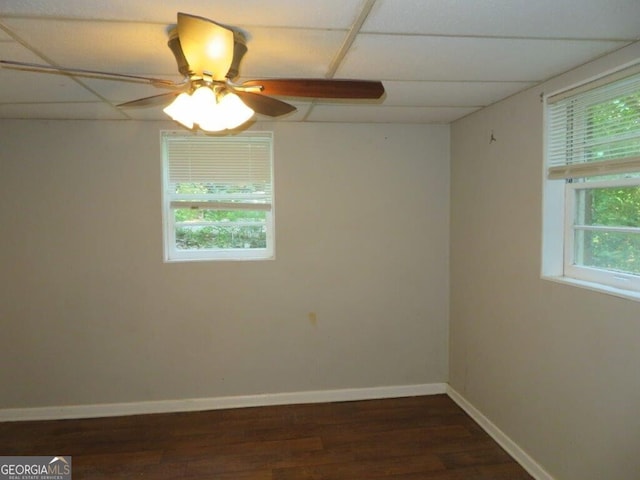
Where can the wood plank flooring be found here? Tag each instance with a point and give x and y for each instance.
(412, 438)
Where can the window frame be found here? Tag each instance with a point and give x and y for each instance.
(172, 200)
(609, 277)
(559, 208)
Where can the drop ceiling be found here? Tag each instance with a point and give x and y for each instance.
(439, 60)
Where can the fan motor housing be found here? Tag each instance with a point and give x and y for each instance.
(239, 50)
(176, 49)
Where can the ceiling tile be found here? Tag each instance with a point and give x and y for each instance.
(14, 51)
(299, 115)
(450, 94)
(397, 57)
(278, 52)
(26, 87)
(17, 86)
(616, 19)
(67, 111)
(381, 114)
(110, 46)
(286, 13)
(146, 113)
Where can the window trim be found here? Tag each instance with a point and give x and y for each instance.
(171, 201)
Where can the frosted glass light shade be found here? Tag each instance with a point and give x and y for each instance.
(234, 110)
(210, 112)
(180, 110)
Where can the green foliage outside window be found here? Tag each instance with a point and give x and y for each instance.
(203, 228)
(612, 207)
(221, 237)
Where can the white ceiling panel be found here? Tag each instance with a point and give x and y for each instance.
(276, 52)
(465, 59)
(112, 46)
(455, 94)
(146, 113)
(297, 116)
(20, 87)
(381, 114)
(338, 14)
(15, 51)
(334, 14)
(616, 19)
(79, 111)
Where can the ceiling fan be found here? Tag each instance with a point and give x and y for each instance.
(208, 55)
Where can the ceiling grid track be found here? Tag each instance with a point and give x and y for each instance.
(351, 36)
(346, 45)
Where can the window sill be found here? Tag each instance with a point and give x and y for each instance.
(596, 287)
(220, 258)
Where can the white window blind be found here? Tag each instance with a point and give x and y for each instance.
(242, 159)
(595, 130)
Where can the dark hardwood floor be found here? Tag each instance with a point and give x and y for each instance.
(413, 438)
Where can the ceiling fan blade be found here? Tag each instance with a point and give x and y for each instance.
(151, 101)
(265, 105)
(207, 45)
(319, 88)
(80, 72)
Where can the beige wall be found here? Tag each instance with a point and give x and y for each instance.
(90, 314)
(554, 366)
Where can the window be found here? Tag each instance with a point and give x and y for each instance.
(592, 192)
(217, 196)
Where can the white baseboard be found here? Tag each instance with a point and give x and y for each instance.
(217, 403)
(512, 448)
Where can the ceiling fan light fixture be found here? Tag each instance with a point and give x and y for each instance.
(180, 110)
(234, 110)
(211, 111)
(203, 104)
